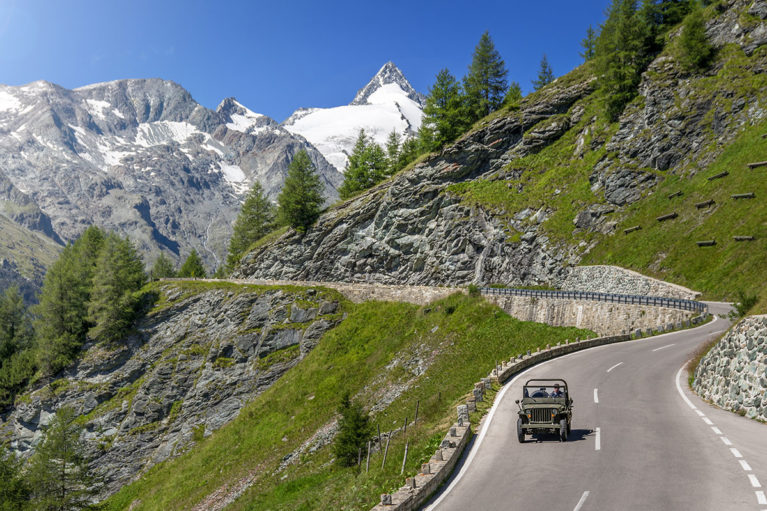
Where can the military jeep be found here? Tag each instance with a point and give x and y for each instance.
(546, 407)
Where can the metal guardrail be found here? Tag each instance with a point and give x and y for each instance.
(656, 301)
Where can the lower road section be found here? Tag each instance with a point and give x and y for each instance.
(640, 440)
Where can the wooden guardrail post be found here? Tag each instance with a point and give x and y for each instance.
(757, 164)
(706, 243)
(675, 194)
(749, 195)
(718, 176)
(669, 216)
(743, 238)
(705, 204)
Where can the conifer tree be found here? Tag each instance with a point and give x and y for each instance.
(545, 74)
(15, 324)
(59, 476)
(192, 267)
(163, 268)
(485, 85)
(513, 96)
(256, 219)
(354, 430)
(14, 490)
(444, 114)
(589, 44)
(393, 144)
(408, 152)
(300, 200)
(114, 302)
(695, 50)
(63, 309)
(367, 166)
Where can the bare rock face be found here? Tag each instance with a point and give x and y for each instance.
(188, 371)
(140, 157)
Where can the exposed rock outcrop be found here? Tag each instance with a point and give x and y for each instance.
(188, 370)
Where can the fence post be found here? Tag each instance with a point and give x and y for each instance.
(386, 452)
(404, 459)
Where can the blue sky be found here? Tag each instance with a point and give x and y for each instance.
(275, 56)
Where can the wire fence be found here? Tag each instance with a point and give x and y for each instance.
(655, 301)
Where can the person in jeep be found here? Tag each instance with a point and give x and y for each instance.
(557, 391)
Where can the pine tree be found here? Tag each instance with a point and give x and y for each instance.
(114, 300)
(14, 490)
(256, 219)
(444, 114)
(513, 96)
(163, 268)
(58, 473)
(589, 44)
(695, 50)
(485, 85)
(354, 430)
(545, 74)
(300, 200)
(63, 309)
(192, 267)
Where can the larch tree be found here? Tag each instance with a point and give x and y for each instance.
(256, 219)
(300, 201)
(192, 267)
(545, 74)
(485, 84)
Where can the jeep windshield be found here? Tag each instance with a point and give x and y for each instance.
(543, 391)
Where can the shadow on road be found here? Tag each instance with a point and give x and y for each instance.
(575, 434)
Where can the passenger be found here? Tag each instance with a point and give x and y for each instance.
(541, 392)
(557, 391)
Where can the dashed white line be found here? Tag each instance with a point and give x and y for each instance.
(707, 421)
(598, 443)
(726, 441)
(664, 347)
(754, 481)
(745, 465)
(596, 396)
(760, 497)
(735, 452)
(585, 495)
(716, 430)
(613, 367)
(700, 414)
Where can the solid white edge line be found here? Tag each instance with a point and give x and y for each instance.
(613, 367)
(735, 452)
(598, 441)
(760, 498)
(507, 386)
(579, 505)
(679, 387)
(664, 347)
(745, 465)
(754, 481)
(596, 396)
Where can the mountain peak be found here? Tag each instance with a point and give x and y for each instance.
(389, 73)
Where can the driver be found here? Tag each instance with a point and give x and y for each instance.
(540, 393)
(557, 392)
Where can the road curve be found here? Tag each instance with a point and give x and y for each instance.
(636, 442)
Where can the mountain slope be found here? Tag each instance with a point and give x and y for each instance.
(143, 158)
(387, 103)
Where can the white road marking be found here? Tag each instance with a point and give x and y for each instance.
(745, 465)
(613, 367)
(708, 421)
(760, 497)
(598, 444)
(754, 481)
(726, 441)
(716, 430)
(679, 389)
(579, 505)
(664, 347)
(596, 396)
(735, 452)
(700, 414)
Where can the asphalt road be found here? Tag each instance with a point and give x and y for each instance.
(639, 441)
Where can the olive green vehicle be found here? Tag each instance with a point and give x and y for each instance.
(546, 407)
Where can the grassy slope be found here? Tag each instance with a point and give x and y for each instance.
(666, 250)
(378, 345)
(32, 252)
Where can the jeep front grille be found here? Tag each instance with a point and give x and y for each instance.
(541, 414)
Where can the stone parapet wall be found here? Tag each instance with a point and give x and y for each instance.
(733, 375)
(614, 279)
(605, 318)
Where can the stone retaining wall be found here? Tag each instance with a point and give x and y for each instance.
(614, 279)
(605, 318)
(733, 375)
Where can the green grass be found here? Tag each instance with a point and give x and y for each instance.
(439, 351)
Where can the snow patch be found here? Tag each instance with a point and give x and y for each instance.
(161, 132)
(8, 101)
(234, 175)
(97, 107)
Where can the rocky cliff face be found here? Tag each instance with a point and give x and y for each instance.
(417, 229)
(140, 157)
(203, 351)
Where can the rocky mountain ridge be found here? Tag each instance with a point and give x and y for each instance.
(140, 157)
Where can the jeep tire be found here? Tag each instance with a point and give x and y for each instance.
(563, 429)
(520, 431)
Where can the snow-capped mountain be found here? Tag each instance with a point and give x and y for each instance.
(140, 157)
(387, 103)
